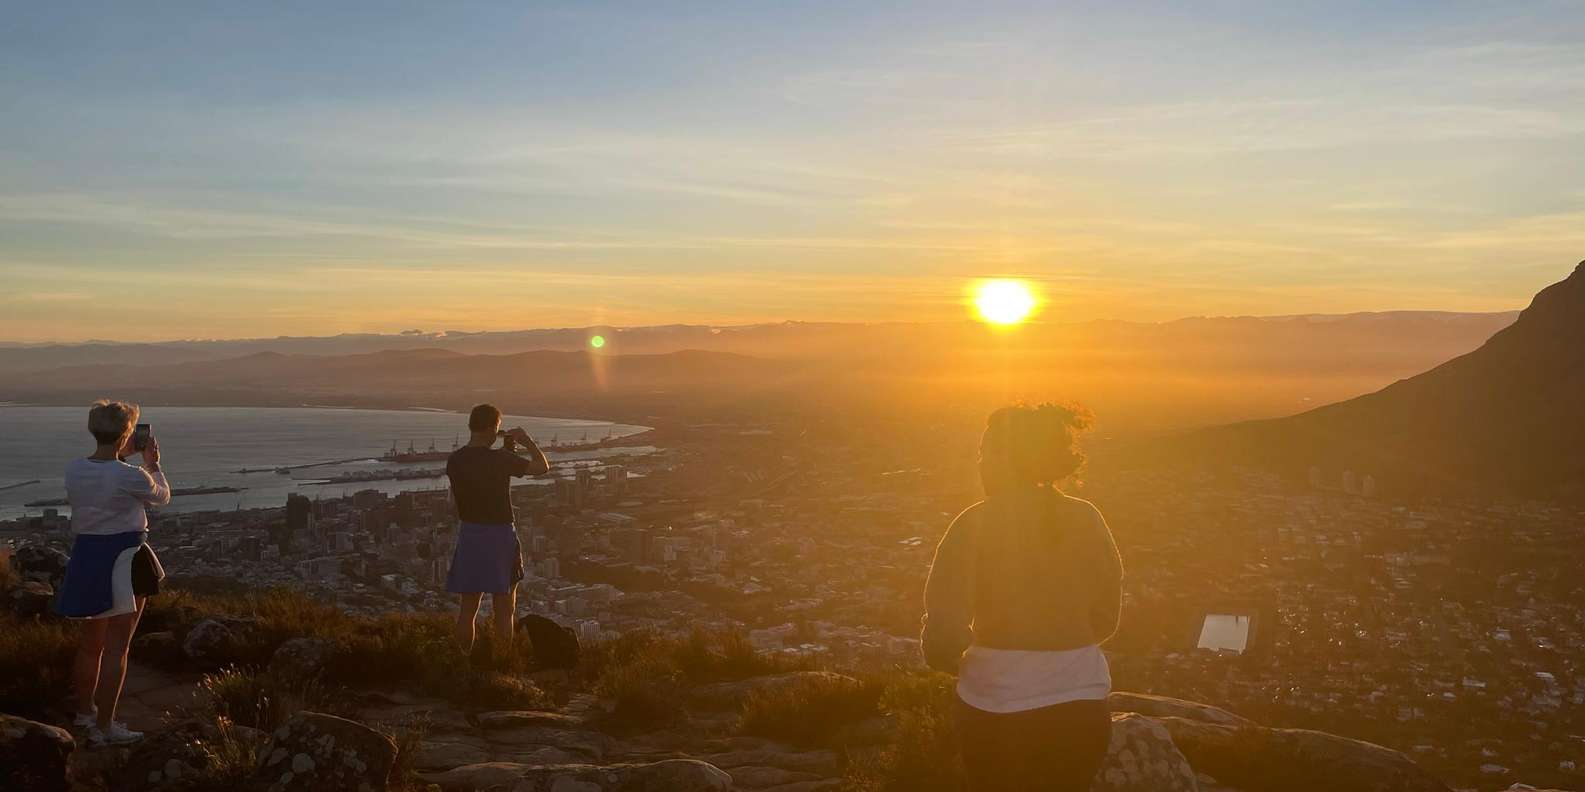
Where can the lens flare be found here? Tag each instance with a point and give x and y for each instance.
(597, 341)
(1004, 302)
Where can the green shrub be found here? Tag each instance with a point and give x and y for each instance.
(642, 673)
(810, 711)
(643, 691)
(35, 664)
(717, 657)
(922, 754)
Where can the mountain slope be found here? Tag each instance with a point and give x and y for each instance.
(1507, 417)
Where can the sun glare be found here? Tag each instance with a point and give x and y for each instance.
(1004, 302)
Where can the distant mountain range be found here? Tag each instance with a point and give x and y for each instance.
(1140, 377)
(1369, 340)
(1506, 417)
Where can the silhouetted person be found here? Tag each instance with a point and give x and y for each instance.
(488, 558)
(1025, 586)
(112, 571)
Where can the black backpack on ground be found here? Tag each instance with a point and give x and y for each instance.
(555, 646)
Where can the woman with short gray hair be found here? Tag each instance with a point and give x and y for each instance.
(112, 570)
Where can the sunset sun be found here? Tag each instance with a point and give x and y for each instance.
(1004, 302)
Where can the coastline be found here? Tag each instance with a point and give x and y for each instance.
(247, 448)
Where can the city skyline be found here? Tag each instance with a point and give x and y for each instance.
(241, 172)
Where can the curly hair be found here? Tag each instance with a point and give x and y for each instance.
(1032, 445)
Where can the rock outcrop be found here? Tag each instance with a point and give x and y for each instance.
(167, 760)
(314, 751)
(300, 659)
(671, 775)
(1143, 757)
(1146, 704)
(33, 755)
(32, 598)
(1260, 759)
(40, 563)
(211, 640)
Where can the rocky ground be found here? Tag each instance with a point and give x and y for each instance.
(705, 710)
(1159, 745)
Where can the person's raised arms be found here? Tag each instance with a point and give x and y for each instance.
(537, 464)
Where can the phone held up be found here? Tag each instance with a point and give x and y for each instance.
(140, 437)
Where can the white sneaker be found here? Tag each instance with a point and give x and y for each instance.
(85, 720)
(117, 734)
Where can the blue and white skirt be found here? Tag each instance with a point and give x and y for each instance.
(488, 559)
(107, 574)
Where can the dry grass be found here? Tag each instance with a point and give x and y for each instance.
(642, 674)
(922, 754)
(35, 665)
(810, 712)
(251, 698)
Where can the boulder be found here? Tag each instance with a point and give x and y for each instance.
(818, 762)
(156, 644)
(32, 598)
(592, 746)
(214, 640)
(437, 755)
(314, 751)
(167, 760)
(671, 775)
(555, 646)
(33, 755)
(1142, 758)
(517, 719)
(730, 695)
(1255, 758)
(1146, 704)
(41, 563)
(761, 776)
(299, 660)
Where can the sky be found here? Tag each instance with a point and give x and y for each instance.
(213, 170)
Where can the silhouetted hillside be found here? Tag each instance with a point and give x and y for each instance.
(1506, 417)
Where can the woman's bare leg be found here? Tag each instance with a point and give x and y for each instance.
(113, 668)
(467, 612)
(503, 607)
(85, 666)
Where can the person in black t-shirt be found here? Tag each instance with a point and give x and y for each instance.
(488, 558)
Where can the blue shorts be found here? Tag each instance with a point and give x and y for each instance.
(488, 559)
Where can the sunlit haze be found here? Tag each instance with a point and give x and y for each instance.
(176, 171)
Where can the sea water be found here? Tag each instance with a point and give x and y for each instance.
(208, 446)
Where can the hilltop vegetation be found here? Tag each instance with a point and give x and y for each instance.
(269, 670)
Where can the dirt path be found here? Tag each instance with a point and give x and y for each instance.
(150, 693)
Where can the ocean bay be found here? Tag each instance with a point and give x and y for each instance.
(210, 447)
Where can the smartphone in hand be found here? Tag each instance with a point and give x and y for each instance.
(140, 437)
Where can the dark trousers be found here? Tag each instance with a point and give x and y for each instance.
(1051, 749)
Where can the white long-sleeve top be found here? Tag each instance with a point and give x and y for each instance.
(109, 496)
